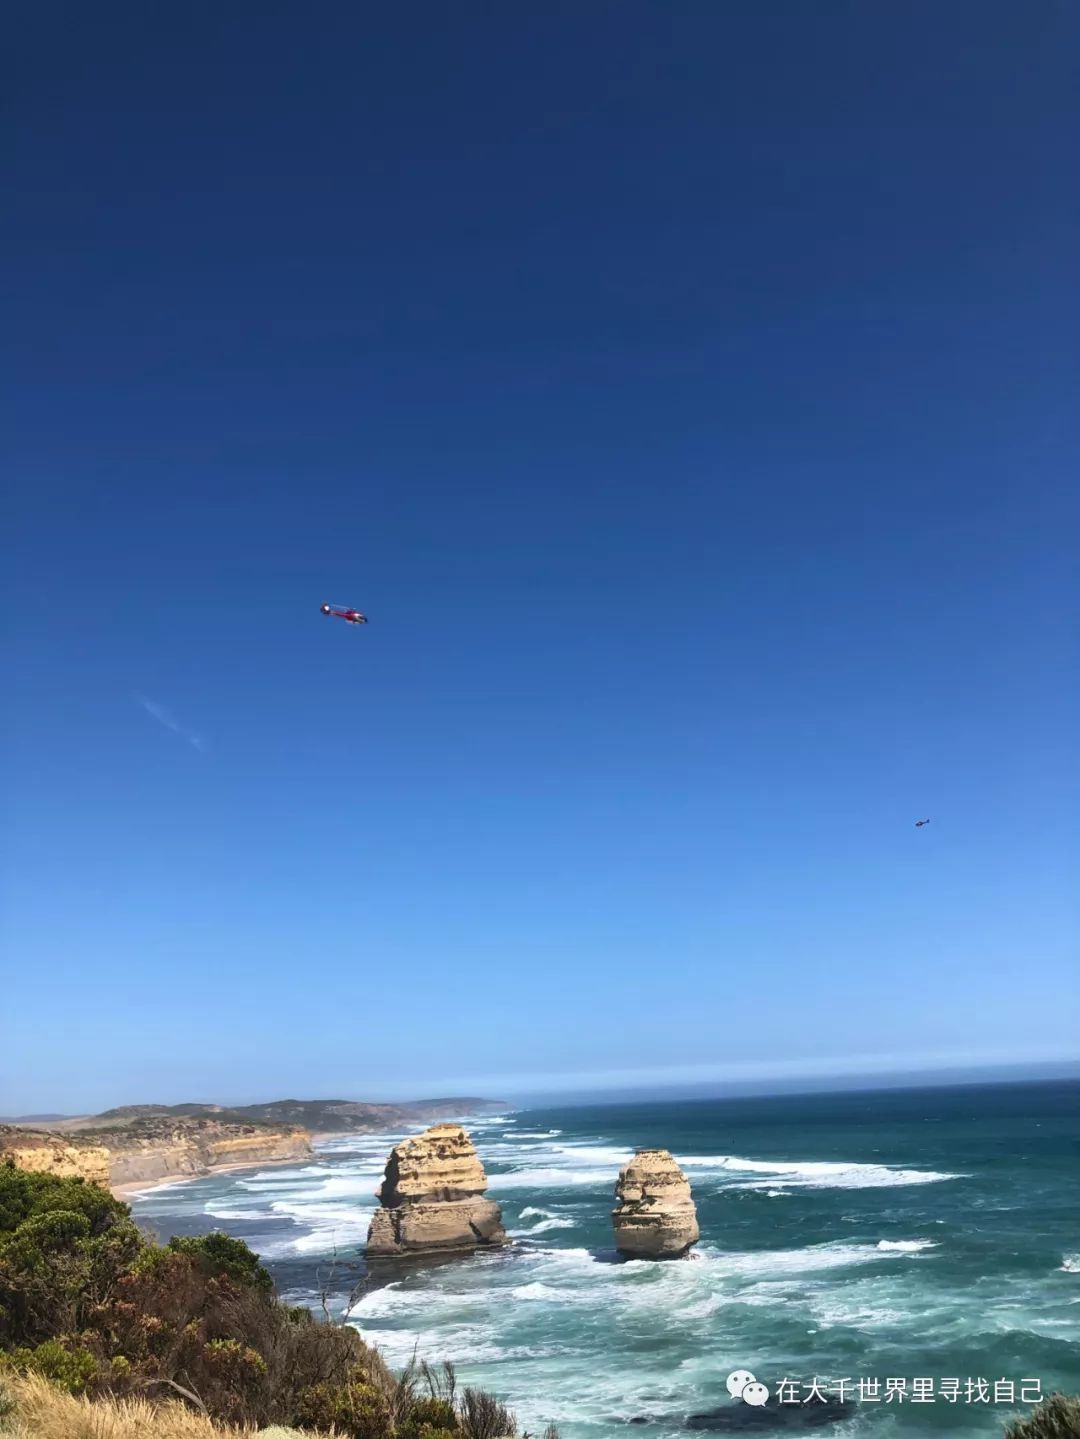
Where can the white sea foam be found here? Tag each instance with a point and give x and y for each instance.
(576, 1257)
(545, 1226)
(460, 1344)
(226, 1211)
(906, 1246)
(575, 1278)
(346, 1186)
(158, 1191)
(703, 1308)
(323, 1214)
(609, 1155)
(1070, 1263)
(364, 1144)
(853, 1315)
(379, 1303)
(272, 1177)
(580, 1165)
(549, 1178)
(328, 1206)
(714, 1265)
(538, 1290)
(816, 1174)
(814, 1257)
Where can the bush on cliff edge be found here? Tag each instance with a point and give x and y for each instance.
(1057, 1417)
(97, 1309)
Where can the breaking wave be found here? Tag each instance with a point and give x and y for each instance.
(545, 1226)
(816, 1174)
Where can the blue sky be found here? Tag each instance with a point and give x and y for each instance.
(687, 393)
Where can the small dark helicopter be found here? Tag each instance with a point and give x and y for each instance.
(920, 822)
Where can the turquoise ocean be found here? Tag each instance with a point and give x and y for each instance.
(903, 1235)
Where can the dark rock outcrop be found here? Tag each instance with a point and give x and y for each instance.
(745, 1419)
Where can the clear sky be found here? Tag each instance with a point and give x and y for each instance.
(687, 391)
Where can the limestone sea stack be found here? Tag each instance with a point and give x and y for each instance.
(432, 1197)
(654, 1214)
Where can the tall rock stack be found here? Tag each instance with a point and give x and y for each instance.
(654, 1214)
(432, 1197)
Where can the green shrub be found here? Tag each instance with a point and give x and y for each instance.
(428, 1414)
(43, 1236)
(219, 1253)
(69, 1369)
(229, 1356)
(92, 1306)
(62, 1245)
(24, 1193)
(119, 1369)
(354, 1408)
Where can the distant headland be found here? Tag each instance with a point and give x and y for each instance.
(139, 1145)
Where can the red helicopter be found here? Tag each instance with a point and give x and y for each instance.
(351, 617)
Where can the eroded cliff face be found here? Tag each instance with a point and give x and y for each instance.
(150, 1151)
(432, 1197)
(49, 1154)
(187, 1149)
(654, 1214)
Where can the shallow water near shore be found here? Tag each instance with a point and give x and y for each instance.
(915, 1234)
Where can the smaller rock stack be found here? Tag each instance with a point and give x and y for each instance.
(432, 1197)
(654, 1214)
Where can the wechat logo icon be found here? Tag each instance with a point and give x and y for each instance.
(741, 1384)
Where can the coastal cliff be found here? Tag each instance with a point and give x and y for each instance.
(50, 1154)
(432, 1197)
(654, 1216)
(148, 1151)
(144, 1144)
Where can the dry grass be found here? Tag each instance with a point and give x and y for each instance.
(1057, 1417)
(41, 1412)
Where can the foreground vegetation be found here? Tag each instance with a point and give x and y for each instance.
(100, 1312)
(1057, 1417)
(107, 1335)
(32, 1408)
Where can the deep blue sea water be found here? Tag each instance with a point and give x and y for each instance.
(927, 1234)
